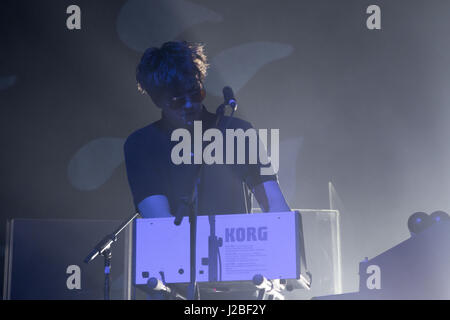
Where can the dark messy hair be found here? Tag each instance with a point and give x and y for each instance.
(175, 67)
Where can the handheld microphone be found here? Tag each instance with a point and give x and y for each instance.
(229, 98)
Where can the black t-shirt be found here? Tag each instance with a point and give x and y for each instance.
(151, 171)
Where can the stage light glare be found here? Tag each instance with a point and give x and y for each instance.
(418, 222)
(439, 215)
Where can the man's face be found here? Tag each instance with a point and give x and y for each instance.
(181, 110)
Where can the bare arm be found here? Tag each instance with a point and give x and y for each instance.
(268, 195)
(270, 198)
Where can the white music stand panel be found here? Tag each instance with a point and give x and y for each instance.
(253, 244)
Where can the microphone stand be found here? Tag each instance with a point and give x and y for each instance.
(193, 293)
(103, 248)
(213, 242)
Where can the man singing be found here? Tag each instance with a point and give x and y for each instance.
(173, 77)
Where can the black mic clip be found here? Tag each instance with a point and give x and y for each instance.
(184, 208)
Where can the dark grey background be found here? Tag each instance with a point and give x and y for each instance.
(366, 110)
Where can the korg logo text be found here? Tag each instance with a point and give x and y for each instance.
(245, 234)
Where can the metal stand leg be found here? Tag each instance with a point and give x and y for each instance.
(107, 257)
